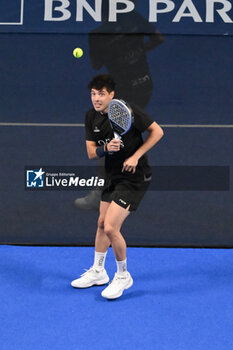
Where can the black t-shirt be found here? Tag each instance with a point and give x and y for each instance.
(98, 129)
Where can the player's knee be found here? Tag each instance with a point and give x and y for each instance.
(109, 231)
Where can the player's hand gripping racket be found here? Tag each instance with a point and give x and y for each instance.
(120, 116)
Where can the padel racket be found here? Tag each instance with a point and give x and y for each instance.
(120, 116)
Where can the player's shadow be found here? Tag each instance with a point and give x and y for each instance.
(126, 296)
(122, 47)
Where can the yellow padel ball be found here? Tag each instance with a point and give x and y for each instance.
(78, 52)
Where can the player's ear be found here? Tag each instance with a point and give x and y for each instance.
(112, 94)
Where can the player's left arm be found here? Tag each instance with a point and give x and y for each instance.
(155, 134)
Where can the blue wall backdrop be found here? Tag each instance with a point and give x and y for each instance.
(187, 70)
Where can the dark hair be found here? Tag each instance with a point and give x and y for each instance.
(102, 81)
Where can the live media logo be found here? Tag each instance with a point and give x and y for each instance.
(62, 178)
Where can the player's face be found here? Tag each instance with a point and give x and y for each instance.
(101, 99)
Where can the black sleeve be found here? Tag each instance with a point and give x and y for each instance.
(142, 120)
(88, 128)
(95, 50)
(143, 26)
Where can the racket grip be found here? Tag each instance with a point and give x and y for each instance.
(116, 136)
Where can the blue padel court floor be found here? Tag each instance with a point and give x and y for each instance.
(181, 299)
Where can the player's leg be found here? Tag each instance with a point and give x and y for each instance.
(114, 218)
(102, 242)
(97, 274)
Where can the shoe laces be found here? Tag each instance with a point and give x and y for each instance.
(91, 269)
(117, 278)
(87, 271)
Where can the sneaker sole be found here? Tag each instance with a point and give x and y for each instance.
(120, 293)
(97, 283)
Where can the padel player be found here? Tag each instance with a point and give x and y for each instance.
(128, 176)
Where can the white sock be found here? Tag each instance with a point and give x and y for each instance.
(121, 267)
(99, 261)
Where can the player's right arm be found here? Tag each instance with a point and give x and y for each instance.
(90, 143)
(91, 149)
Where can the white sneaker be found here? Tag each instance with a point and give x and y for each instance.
(117, 286)
(90, 278)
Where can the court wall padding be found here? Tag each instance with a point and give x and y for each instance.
(42, 83)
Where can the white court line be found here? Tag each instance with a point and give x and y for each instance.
(162, 125)
(41, 124)
(197, 125)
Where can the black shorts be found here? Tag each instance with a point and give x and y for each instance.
(125, 193)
